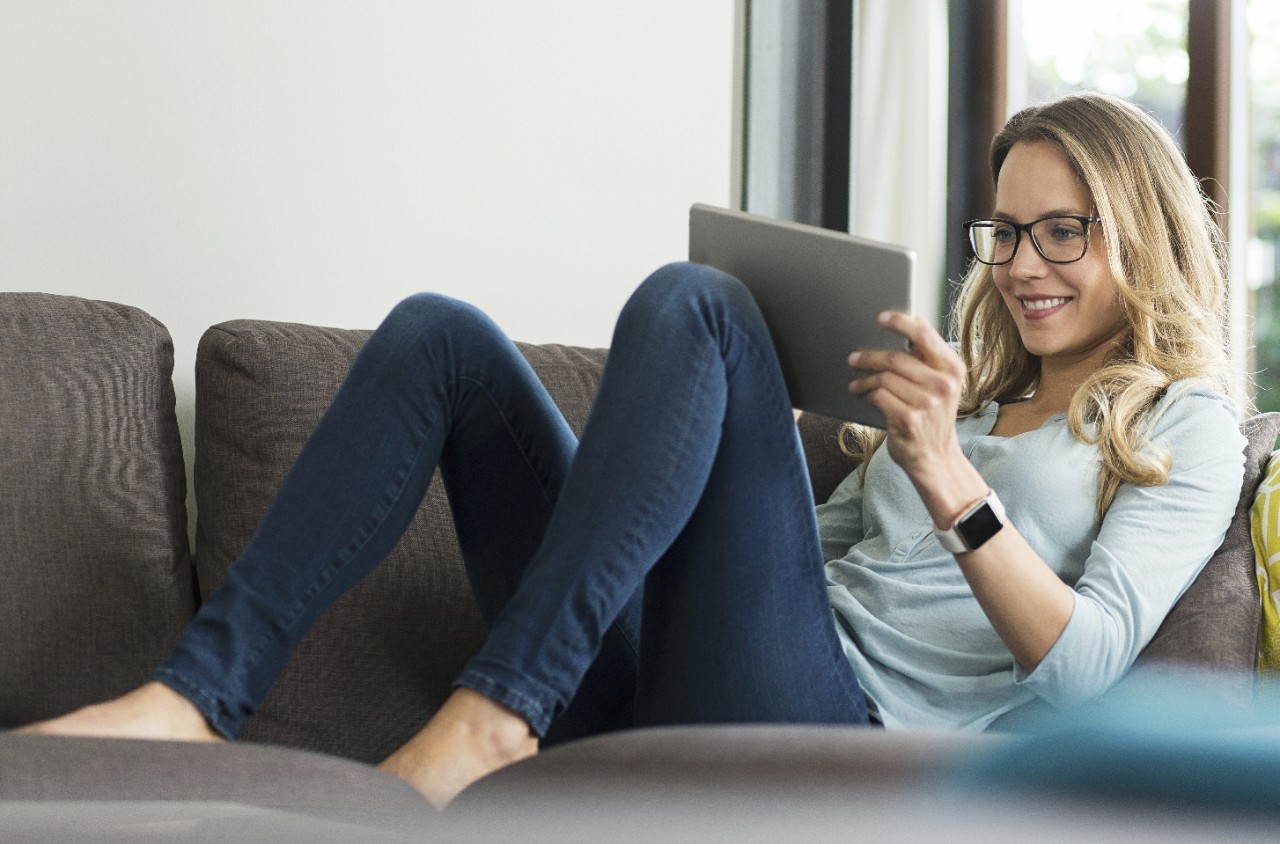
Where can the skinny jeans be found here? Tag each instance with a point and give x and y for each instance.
(666, 569)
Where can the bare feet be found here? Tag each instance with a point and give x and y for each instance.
(469, 737)
(153, 711)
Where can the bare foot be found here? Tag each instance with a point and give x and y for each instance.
(153, 711)
(469, 737)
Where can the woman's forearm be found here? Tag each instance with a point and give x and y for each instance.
(1026, 602)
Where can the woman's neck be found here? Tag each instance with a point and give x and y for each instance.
(1061, 376)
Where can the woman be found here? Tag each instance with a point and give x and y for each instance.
(674, 574)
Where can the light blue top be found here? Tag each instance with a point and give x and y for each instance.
(922, 647)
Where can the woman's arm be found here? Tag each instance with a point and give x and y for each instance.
(1149, 548)
(919, 392)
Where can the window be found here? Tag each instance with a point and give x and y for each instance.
(1136, 49)
(1263, 127)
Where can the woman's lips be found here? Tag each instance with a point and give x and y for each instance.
(1042, 308)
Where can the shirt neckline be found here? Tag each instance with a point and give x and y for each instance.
(990, 412)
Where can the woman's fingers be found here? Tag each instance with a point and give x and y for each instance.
(924, 391)
(927, 344)
(918, 390)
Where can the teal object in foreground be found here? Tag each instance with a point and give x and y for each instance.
(1150, 740)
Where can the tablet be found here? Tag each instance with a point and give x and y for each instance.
(820, 292)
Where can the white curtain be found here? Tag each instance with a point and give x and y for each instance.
(899, 156)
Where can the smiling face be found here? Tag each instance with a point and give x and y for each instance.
(1069, 315)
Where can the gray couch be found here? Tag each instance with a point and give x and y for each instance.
(97, 579)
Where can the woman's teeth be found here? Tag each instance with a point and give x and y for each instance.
(1044, 304)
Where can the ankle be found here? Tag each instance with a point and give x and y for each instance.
(179, 715)
(470, 737)
(492, 726)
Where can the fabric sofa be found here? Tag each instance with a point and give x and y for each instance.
(97, 577)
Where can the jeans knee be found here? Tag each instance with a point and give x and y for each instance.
(687, 281)
(430, 309)
(689, 287)
(434, 318)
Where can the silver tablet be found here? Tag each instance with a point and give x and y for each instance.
(820, 292)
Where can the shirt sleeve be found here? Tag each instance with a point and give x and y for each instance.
(1152, 544)
(840, 518)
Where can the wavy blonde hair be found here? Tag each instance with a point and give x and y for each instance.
(1167, 258)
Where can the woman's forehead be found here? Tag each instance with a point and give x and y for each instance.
(1037, 179)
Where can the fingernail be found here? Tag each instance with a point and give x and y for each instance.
(884, 317)
(854, 358)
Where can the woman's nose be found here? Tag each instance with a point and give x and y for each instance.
(1027, 261)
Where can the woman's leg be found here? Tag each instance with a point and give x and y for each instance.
(737, 624)
(690, 457)
(689, 474)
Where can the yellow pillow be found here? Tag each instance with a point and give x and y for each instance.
(1264, 520)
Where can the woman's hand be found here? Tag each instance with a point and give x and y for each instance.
(918, 391)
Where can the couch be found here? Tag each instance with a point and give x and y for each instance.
(98, 575)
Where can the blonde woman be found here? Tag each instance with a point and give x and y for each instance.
(669, 568)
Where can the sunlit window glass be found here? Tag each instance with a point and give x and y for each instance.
(1136, 49)
(1261, 265)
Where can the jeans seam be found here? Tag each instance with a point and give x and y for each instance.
(511, 431)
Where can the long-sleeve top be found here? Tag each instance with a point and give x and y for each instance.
(924, 651)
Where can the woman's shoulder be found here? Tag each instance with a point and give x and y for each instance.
(1196, 412)
(1195, 395)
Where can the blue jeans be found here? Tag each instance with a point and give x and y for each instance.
(666, 569)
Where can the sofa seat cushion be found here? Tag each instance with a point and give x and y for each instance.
(95, 576)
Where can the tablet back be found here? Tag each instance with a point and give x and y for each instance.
(820, 292)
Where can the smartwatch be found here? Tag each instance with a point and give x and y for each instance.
(974, 527)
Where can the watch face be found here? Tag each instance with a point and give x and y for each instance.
(979, 526)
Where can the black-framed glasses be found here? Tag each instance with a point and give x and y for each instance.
(1058, 239)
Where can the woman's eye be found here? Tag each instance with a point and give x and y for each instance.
(1002, 234)
(1065, 232)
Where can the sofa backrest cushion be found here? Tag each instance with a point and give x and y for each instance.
(95, 574)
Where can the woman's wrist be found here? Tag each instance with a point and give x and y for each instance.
(949, 488)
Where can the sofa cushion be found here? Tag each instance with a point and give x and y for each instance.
(95, 577)
(828, 465)
(380, 662)
(776, 758)
(1215, 623)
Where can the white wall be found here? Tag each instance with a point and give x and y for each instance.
(317, 160)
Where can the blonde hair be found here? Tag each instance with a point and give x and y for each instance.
(1167, 258)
